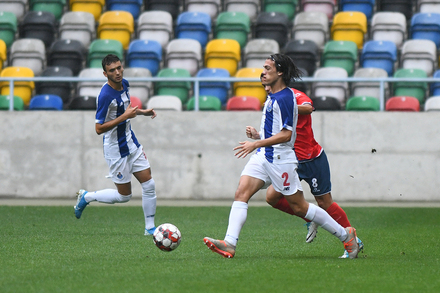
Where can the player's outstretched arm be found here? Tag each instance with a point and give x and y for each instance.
(247, 147)
(147, 112)
(130, 112)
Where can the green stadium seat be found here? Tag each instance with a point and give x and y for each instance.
(179, 89)
(100, 48)
(8, 27)
(56, 7)
(233, 25)
(287, 7)
(5, 100)
(206, 103)
(362, 103)
(343, 54)
(410, 89)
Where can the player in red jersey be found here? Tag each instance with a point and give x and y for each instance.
(314, 168)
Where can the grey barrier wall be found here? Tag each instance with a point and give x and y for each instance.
(374, 156)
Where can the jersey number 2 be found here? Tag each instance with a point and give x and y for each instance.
(286, 177)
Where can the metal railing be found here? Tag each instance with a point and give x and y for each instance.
(197, 80)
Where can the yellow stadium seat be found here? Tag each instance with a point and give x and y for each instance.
(349, 26)
(93, 6)
(223, 53)
(116, 25)
(250, 88)
(3, 53)
(22, 89)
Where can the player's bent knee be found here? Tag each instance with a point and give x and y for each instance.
(124, 198)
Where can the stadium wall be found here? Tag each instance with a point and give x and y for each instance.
(374, 156)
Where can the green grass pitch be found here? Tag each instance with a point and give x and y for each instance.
(46, 249)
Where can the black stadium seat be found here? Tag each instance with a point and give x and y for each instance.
(67, 53)
(39, 25)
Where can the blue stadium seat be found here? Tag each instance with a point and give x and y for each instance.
(193, 25)
(426, 26)
(435, 86)
(132, 6)
(379, 54)
(214, 88)
(364, 6)
(46, 102)
(144, 54)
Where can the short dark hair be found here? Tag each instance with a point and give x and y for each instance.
(285, 64)
(109, 59)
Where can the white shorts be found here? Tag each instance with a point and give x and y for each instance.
(121, 169)
(283, 177)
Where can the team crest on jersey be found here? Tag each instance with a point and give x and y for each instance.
(119, 175)
(269, 105)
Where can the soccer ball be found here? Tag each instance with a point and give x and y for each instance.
(167, 237)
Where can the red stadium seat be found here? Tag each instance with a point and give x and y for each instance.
(242, 103)
(401, 103)
(136, 102)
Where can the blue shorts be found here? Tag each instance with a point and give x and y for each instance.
(316, 173)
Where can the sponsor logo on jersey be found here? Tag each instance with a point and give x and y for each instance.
(286, 188)
(269, 105)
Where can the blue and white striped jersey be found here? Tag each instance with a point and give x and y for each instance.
(280, 111)
(120, 141)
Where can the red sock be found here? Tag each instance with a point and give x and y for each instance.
(284, 206)
(337, 213)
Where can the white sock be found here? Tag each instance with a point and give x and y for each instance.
(237, 218)
(106, 196)
(149, 202)
(322, 218)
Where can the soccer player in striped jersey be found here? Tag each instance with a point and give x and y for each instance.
(275, 162)
(314, 168)
(124, 154)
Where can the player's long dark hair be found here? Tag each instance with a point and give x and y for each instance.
(285, 64)
(109, 59)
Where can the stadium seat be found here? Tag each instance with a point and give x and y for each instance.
(144, 54)
(172, 103)
(233, 25)
(432, 103)
(243, 103)
(349, 26)
(95, 7)
(435, 86)
(136, 102)
(304, 53)
(403, 103)
(5, 101)
(206, 103)
(402, 6)
(412, 89)
(193, 25)
(336, 89)
(61, 89)
(426, 26)
(273, 25)
(116, 25)
(432, 6)
(211, 7)
(250, 7)
(99, 48)
(155, 26)
(83, 103)
(8, 27)
(223, 53)
(343, 54)
(364, 6)
(22, 89)
(78, 25)
(179, 89)
(67, 53)
(389, 26)
(90, 88)
(300, 85)
(419, 54)
(46, 102)
(257, 51)
(56, 7)
(29, 53)
(131, 6)
(326, 103)
(185, 54)
(287, 7)
(379, 54)
(39, 25)
(312, 26)
(140, 89)
(250, 88)
(218, 89)
(365, 88)
(362, 103)
(3, 54)
(325, 6)
(17, 7)
(171, 6)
